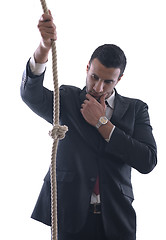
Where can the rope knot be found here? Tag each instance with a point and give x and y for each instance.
(58, 131)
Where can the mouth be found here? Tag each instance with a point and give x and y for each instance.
(95, 95)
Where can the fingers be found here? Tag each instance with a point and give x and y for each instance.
(48, 33)
(102, 100)
(47, 28)
(92, 110)
(46, 17)
(89, 97)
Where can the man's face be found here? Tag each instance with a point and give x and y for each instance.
(100, 79)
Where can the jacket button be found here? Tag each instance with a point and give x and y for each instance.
(92, 179)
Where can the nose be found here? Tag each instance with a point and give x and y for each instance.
(98, 87)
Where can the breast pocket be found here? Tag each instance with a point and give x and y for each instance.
(61, 176)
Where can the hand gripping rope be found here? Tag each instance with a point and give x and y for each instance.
(57, 133)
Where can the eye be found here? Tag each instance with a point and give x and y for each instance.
(108, 81)
(94, 76)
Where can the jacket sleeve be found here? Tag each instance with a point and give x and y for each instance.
(139, 150)
(37, 97)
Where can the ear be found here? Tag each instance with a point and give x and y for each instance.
(120, 78)
(87, 67)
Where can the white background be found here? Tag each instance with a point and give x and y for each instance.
(138, 27)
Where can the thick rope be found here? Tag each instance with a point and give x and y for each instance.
(58, 132)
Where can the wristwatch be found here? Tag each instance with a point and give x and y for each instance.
(102, 121)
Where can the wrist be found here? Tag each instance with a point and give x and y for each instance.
(106, 129)
(36, 68)
(45, 46)
(41, 53)
(102, 121)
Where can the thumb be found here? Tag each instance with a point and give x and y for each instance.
(49, 11)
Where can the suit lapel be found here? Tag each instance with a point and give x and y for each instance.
(120, 108)
(83, 95)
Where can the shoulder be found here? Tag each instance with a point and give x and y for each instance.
(135, 102)
(70, 94)
(68, 90)
(132, 107)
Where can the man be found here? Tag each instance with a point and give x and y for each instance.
(108, 134)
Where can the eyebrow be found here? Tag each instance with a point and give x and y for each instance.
(95, 75)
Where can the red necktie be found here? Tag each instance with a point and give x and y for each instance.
(96, 188)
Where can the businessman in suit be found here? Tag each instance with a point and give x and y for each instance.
(108, 135)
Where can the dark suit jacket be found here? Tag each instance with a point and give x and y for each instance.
(84, 154)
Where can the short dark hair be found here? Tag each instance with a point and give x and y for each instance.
(110, 55)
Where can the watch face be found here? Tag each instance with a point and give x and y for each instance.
(103, 120)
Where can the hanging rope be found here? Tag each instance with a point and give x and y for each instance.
(57, 133)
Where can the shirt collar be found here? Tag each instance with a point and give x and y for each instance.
(111, 99)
